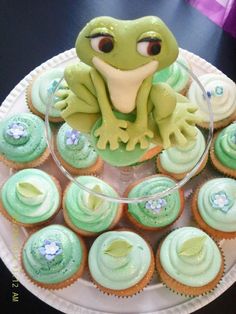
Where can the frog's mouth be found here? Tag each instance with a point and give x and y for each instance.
(123, 86)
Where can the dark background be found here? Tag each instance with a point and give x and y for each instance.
(33, 31)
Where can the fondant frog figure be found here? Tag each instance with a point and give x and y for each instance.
(117, 61)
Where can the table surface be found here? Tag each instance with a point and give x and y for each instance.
(33, 31)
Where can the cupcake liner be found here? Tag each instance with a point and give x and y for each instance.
(139, 225)
(33, 109)
(66, 283)
(214, 233)
(218, 124)
(137, 288)
(217, 164)
(39, 225)
(184, 290)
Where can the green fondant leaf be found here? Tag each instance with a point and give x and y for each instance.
(95, 201)
(192, 246)
(119, 248)
(27, 189)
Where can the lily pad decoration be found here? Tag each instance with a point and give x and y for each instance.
(192, 246)
(118, 248)
(95, 201)
(28, 190)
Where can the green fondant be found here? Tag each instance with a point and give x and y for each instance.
(149, 218)
(194, 270)
(63, 266)
(213, 215)
(118, 248)
(30, 208)
(94, 201)
(225, 148)
(24, 149)
(119, 272)
(192, 246)
(27, 189)
(84, 217)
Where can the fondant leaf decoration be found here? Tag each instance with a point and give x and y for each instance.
(192, 246)
(95, 201)
(27, 189)
(118, 248)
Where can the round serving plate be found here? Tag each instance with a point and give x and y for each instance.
(82, 296)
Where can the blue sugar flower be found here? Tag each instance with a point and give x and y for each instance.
(219, 90)
(50, 249)
(72, 137)
(156, 205)
(221, 201)
(16, 130)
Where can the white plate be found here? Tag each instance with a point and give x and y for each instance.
(82, 297)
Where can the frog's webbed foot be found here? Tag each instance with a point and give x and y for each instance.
(64, 98)
(138, 134)
(111, 133)
(179, 127)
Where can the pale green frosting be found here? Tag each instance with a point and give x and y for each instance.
(175, 75)
(80, 212)
(35, 208)
(42, 89)
(63, 265)
(182, 159)
(196, 269)
(225, 146)
(120, 272)
(78, 155)
(28, 147)
(164, 211)
(217, 204)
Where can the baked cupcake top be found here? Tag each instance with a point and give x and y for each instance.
(217, 203)
(30, 196)
(182, 159)
(119, 259)
(75, 148)
(43, 88)
(225, 146)
(155, 213)
(222, 93)
(190, 256)
(89, 212)
(22, 137)
(52, 254)
(175, 75)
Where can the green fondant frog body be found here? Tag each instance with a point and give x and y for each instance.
(117, 61)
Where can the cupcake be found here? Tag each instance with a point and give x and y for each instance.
(76, 153)
(30, 198)
(222, 94)
(158, 213)
(223, 151)
(22, 141)
(54, 257)
(178, 161)
(86, 213)
(214, 207)
(121, 263)
(189, 262)
(175, 75)
(40, 91)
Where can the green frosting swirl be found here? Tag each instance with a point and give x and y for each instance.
(80, 211)
(52, 254)
(182, 159)
(123, 270)
(225, 146)
(43, 88)
(78, 153)
(158, 213)
(217, 204)
(190, 256)
(26, 206)
(22, 137)
(174, 75)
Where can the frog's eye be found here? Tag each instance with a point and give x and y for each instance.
(149, 46)
(102, 43)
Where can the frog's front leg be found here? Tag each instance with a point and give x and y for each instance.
(112, 130)
(138, 131)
